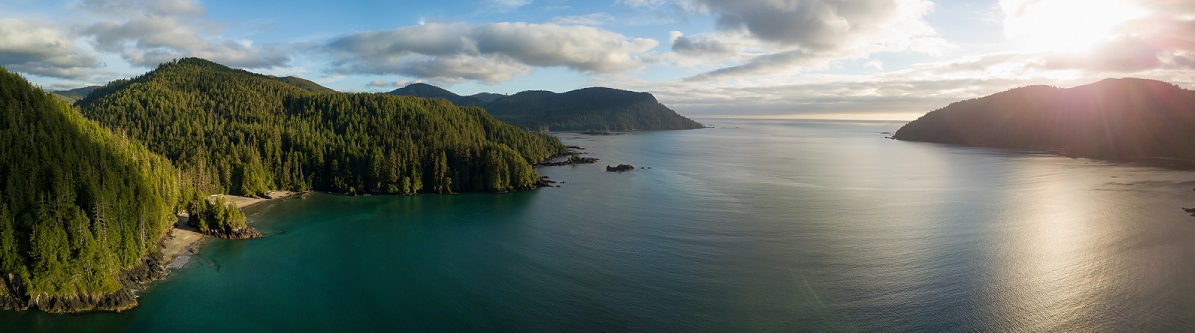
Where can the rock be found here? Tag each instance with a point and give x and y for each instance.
(242, 233)
(620, 168)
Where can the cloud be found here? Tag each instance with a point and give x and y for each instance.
(154, 32)
(593, 19)
(643, 3)
(795, 35)
(486, 52)
(391, 84)
(143, 33)
(1125, 36)
(505, 5)
(156, 7)
(33, 47)
(701, 46)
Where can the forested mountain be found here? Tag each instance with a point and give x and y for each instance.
(487, 97)
(1116, 119)
(304, 84)
(80, 206)
(582, 109)
(75, 94)
(429, 91)
(238, 132)
(588, 109)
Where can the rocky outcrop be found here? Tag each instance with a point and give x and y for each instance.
(12, 291)
(620, 168)
(573, 159)
(117, 301)
(242, 233)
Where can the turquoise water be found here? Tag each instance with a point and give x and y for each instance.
(751, 226)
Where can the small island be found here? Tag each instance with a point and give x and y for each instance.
(620, 168)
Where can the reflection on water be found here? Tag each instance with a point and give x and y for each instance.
(752, 226)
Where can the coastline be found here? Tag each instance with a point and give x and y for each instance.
(183, 240)
(243, 202)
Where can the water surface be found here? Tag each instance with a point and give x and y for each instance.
(750, 226)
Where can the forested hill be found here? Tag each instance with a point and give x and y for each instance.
(1117, 119)
(75, 94)
(430, 91)
(582, 109)
(237, 132)
(304, 84)
(79, 204)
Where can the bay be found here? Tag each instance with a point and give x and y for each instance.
(755, 225)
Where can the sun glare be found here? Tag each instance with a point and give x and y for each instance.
(1065, 25)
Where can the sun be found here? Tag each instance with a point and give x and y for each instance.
(1065, 25)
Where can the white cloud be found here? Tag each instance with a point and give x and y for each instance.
(152, 32)
(37, 48)
(143, 33)
(487, 52)
(782, 36)
(593, 19)
(506, 5)
(391, 84)
(643, 3)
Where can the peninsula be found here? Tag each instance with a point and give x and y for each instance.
(1113, 119)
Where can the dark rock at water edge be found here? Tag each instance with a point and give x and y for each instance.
(242, 233)
(151, 268)
(620, 168)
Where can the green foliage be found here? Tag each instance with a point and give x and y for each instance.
(215, 215)
(74, 94)
(237, 132)
(79, 202)
(602, 109)
(429, 91)
(305, 84)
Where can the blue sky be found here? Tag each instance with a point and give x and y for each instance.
(705, 58)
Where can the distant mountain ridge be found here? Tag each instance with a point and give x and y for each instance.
(593, 108)
(429, 91)
(72, 95)
(1115, 119)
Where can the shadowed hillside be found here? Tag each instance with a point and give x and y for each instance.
(1114, 119)
(81, 208)
(602, 109)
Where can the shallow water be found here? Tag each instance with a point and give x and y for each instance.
(750, 226)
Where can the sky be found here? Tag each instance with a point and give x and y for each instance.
(827, 59)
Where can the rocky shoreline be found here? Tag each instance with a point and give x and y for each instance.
(574, 157)
(153, 267)
(243, 233)
(149, 269)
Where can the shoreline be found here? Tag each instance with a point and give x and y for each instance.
(244, 202)
(183, 240)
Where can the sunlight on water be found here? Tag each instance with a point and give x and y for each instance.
(751, 226)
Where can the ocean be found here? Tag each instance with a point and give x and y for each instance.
(753, 225)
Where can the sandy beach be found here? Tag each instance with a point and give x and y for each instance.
(244, 202)
(186, 240)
